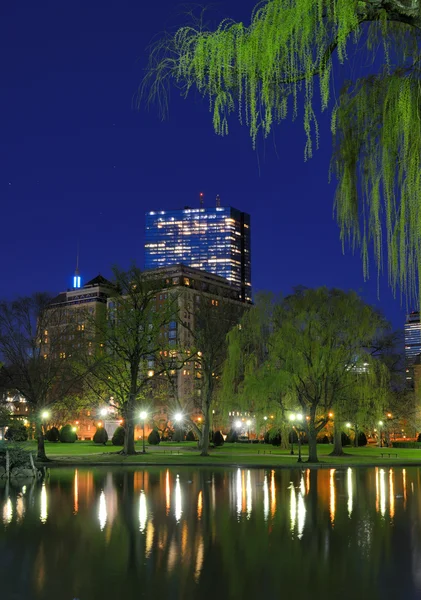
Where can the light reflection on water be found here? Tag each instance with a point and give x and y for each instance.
(177, 524)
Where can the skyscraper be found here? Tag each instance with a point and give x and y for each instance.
(412, 341)
(214, 239)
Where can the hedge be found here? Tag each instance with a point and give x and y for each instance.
(406, 445)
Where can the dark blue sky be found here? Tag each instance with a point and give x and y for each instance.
(78, 162)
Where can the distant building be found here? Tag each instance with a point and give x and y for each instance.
(216, 240)
(412, 342)
(189, 284)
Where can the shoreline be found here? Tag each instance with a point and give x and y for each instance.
(233, 465)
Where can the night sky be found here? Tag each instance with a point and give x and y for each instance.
(79, 162)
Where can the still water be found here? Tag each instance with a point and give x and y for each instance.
(189, 533)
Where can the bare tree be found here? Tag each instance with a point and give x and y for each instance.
(129, 342)
(37, 346)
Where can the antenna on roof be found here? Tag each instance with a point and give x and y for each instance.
(218, 201)
(76, 277)
(202, 199)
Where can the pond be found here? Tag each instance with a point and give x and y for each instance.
(187, 533)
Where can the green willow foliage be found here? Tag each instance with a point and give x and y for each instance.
(263, 72)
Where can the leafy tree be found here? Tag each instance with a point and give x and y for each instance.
(316, 344)
(100, 436)
(132, 337)
(16, 432)
(154, 438)
(190, 437)
(118, 437)
(268, 70)
(52, 435)
(218, 438)
(67, 435)
(39, 354)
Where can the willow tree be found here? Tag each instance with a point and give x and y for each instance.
(270, 69)
(317, 346)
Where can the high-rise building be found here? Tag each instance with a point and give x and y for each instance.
(412, 341)
(216, 240)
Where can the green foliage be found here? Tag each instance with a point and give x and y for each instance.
(118, 437)
(362, 439)
(346, 440)
(16, 432)
(232, 436)
(258, 71)
(377, 162)
(100, 436)
(67, 435)
(154, 438)
(406, 445)
(263, 71)
(52, 435)
(323, 439)
(178, 435)
(218, 438)
(18, 456)
(190, 437)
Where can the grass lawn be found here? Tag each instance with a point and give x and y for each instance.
(88, 453)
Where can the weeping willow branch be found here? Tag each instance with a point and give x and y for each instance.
(264, 71)
(377, 160)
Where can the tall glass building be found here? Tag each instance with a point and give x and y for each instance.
(412, 342)
(215, 239)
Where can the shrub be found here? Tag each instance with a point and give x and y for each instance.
(419, 437)
(273, 436)
(190, 437)
(67, 435)
(323, 439)
(16, 432)
(118, 436)
(406, 445)
(52, 435)
(178, 435)
(101, 436)
(232, 436)
(346, 440)
(153, 438)
(218, 438)
(362, 439)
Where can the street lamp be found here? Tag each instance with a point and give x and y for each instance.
(292, 419)
(143, 416)
(103, 412)
(45, 414)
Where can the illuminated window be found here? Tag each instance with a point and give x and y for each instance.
(46, 332)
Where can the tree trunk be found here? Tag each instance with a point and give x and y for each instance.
(312, 439)
(205, 434)
(40, 442)
(356, 437)
(129, 447)
(337, 440)
(285, 431)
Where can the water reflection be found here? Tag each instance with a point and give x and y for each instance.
(143, 513)
(178, 511)
(102, 511)
(172, 531)
(44, 504)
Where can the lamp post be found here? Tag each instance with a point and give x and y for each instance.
(292, 419)
(143, 416)
(380, 433)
